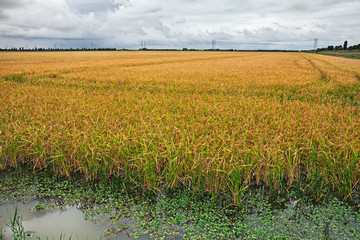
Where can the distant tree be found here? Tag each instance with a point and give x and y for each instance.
(345, 45)
(330, 48)
(355, 47)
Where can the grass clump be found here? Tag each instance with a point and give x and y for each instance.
(17, 78)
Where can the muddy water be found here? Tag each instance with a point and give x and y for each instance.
(55, 224)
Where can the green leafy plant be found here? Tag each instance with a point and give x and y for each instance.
(16, 226)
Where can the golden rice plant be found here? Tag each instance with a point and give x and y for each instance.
(213, 122)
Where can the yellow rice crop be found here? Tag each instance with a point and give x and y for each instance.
(211, 121)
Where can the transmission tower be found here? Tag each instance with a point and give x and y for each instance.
(213, 44)
(143, 44)
(315, 43)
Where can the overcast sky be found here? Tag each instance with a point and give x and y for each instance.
(238, 24)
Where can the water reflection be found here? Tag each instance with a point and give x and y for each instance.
(52, 224)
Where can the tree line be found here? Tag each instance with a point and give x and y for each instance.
(339, 47)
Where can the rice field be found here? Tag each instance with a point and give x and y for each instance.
(212, 122)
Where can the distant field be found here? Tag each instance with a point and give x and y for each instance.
(341, 53)
(210, 121)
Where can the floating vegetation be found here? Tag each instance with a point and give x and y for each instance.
(181, 214)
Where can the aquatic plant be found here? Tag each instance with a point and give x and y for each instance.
(16, 226)
(180, 213)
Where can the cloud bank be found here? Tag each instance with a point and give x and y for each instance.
(245, 24)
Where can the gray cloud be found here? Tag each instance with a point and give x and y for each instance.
(242, 24)
(7, 4)
(95, 6)
(10, 3)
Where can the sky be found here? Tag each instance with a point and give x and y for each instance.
(234, 24)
